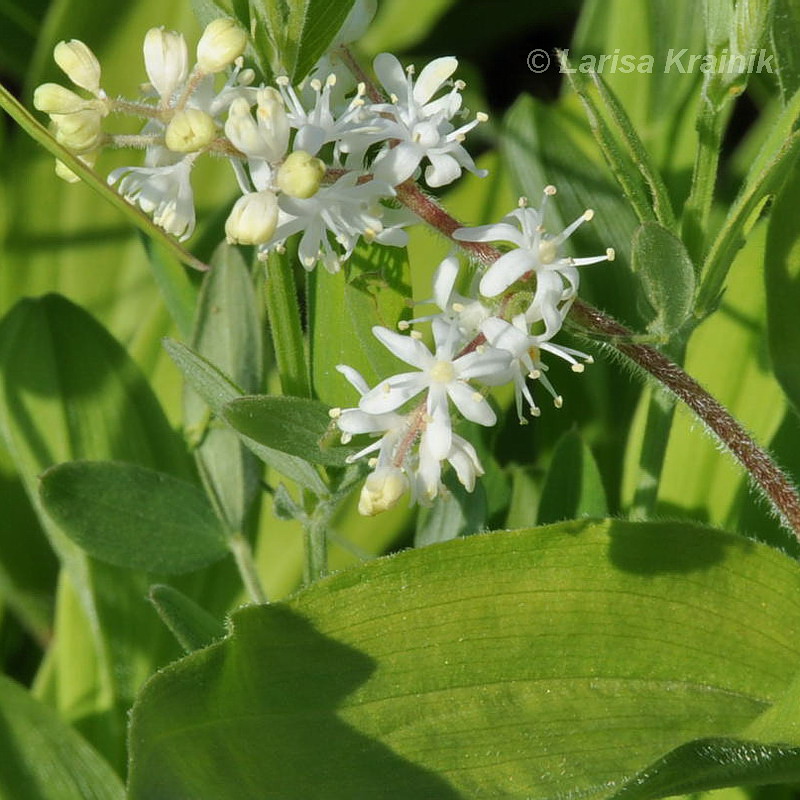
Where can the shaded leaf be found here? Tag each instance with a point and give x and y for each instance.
(41, 758)
(542, 663)
(133, 517)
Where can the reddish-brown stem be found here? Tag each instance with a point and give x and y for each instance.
(763, 471)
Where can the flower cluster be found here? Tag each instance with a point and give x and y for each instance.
(322, 161)
(318, 161)
(493, 336)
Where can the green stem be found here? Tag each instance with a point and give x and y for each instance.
(697, 210)
(243, 555)
(285, 324)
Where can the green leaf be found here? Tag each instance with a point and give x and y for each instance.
(456, 512)
(217, 390)
(300, 31)
(228, 334)
(558, 661)
(372, 291)
(667, 276)
(190, 624)
(296, 426)
(782, 279)
(784, 34)
(573, 487)
(133, 517)
(41, 758)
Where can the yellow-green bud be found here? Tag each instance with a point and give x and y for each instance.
(222, 42)
(55, 99)
(80, 131)
(79, 64)
(190, 130)
(300, 175)
(253, 219)
(382, 489)
(66, 174)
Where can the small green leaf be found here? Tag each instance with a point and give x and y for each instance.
(298, 32)
(573, 487)
(228, 334)
(41, 758)
(133, 517)
(217, 390)
(190, 624)
(782, 277)
(667, 276)
(559, 661)
(785, 33)
(296, 426)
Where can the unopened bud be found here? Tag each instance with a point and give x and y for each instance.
(79, 64)
(253, 219)
(300, 175)
(190, 130)
(222, 42)
(382, 489)
(166, 60)
(66, 174)
(273, 121)
(55, 99)
(80, 131)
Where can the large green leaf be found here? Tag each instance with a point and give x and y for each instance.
(133, 517)
(41, 758)
(782, 276)
(372, 291)
(552, 662)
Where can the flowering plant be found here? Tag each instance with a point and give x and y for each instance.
(336, 384)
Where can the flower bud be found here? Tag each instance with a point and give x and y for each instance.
(222, 42)
(273, 121)
(54, 99)
(79, 64)
(66, 174)
(300, 175)
(382, 489)
(80, 131)
(190, 130)
(166, 60)
(253, 219)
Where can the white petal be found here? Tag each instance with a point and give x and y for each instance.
(509, 268)
(354, 420)
(491, 363)
(432, 77)
(503, 335)
(471, 404)
(444, 281)
(354, 378)
(498, 232)
(439, 429)
(407, 349)
(391, 393)
(443, 169)
(464, 460)
(398, 164)
(391, 74)
(310, 138)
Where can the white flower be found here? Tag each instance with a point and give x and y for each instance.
(443, 374)
(525, 350)
(345, 210)
(352, 130)
(166, 61)
(427, 476)
(420, 126)
(163, 192)
(535, 252)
